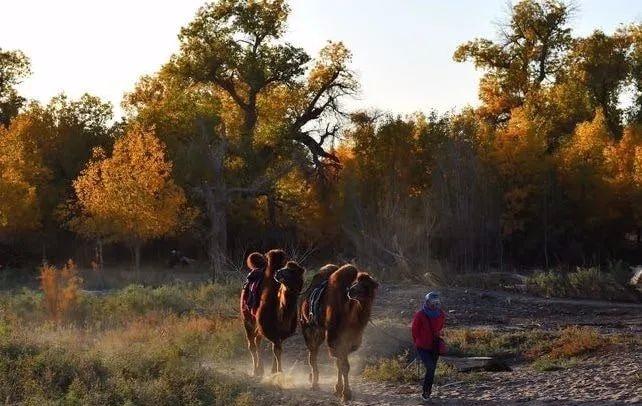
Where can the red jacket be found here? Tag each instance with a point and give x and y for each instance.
(422, 334)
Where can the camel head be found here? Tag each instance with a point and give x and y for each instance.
(363, 288)
(290, 276)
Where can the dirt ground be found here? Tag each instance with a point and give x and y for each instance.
(610, 378)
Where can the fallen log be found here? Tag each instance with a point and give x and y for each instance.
(468, 364)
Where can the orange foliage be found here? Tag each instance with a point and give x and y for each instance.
(131, 195)
(61, 289)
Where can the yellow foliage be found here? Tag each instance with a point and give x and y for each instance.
(583, 164)
(60, 288)
(130, 196)
(519, 154)
(22, 172)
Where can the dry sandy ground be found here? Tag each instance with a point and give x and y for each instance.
(611, 378)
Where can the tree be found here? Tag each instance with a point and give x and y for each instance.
(583, 170)
(14, 66)
(633, 33)
(130, 197)
(24, 175)
(599, 63)
(272, 118)
(530, 51)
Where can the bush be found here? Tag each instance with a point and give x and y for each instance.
(486, 342)
(32, 374)
(398, 370)
(139, 345)
(546, 364)
(551, 283)
(61, 289)
(394, 369)
(584, 283)
(571, 342)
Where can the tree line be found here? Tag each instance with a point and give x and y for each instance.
(242, 140)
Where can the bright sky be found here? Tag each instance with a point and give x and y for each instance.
(402, 48)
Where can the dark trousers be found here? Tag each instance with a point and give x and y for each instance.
(429, 358)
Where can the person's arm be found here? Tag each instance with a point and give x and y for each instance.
(416, 327)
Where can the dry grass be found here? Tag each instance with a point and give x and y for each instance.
(144, 346)
(486, 342)
(399, 370)
(571, 342)
(583, 283)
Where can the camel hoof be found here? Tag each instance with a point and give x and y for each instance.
(315, 386)
(346, 396)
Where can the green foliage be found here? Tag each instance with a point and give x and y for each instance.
(14, 66)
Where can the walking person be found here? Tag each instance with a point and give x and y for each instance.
(427, 325)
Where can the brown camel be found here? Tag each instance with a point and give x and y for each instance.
(345, 308)
(276, 315)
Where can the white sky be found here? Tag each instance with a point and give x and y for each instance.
(402, 48)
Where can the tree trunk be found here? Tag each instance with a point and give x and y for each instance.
(216, 202)
(99, 263)
(216, 196)
(136, 248)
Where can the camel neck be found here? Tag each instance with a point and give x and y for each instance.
(361, 310)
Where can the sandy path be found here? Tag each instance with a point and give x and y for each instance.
(607, 379)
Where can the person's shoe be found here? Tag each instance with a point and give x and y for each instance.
(425, 397)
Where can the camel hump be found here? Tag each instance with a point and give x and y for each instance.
(275, 260)
(344, 276)
(294, 265)
(328, 269)
(256, 260)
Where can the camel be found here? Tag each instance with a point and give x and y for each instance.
(345, 308)
(276, 314)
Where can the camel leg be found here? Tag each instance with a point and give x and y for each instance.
(251, 345)
(338, 388)
(258, 368)
(250, 334)
(314, 367)
(277, 350)
(347, 393)
(313, 340)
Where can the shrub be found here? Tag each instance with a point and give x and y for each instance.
(574, 341)
(546, 364)
(398, 370)
(391, 370)
(61, 289)
(571, 342)
(585, 283)
(549, 283)
(487, 342)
